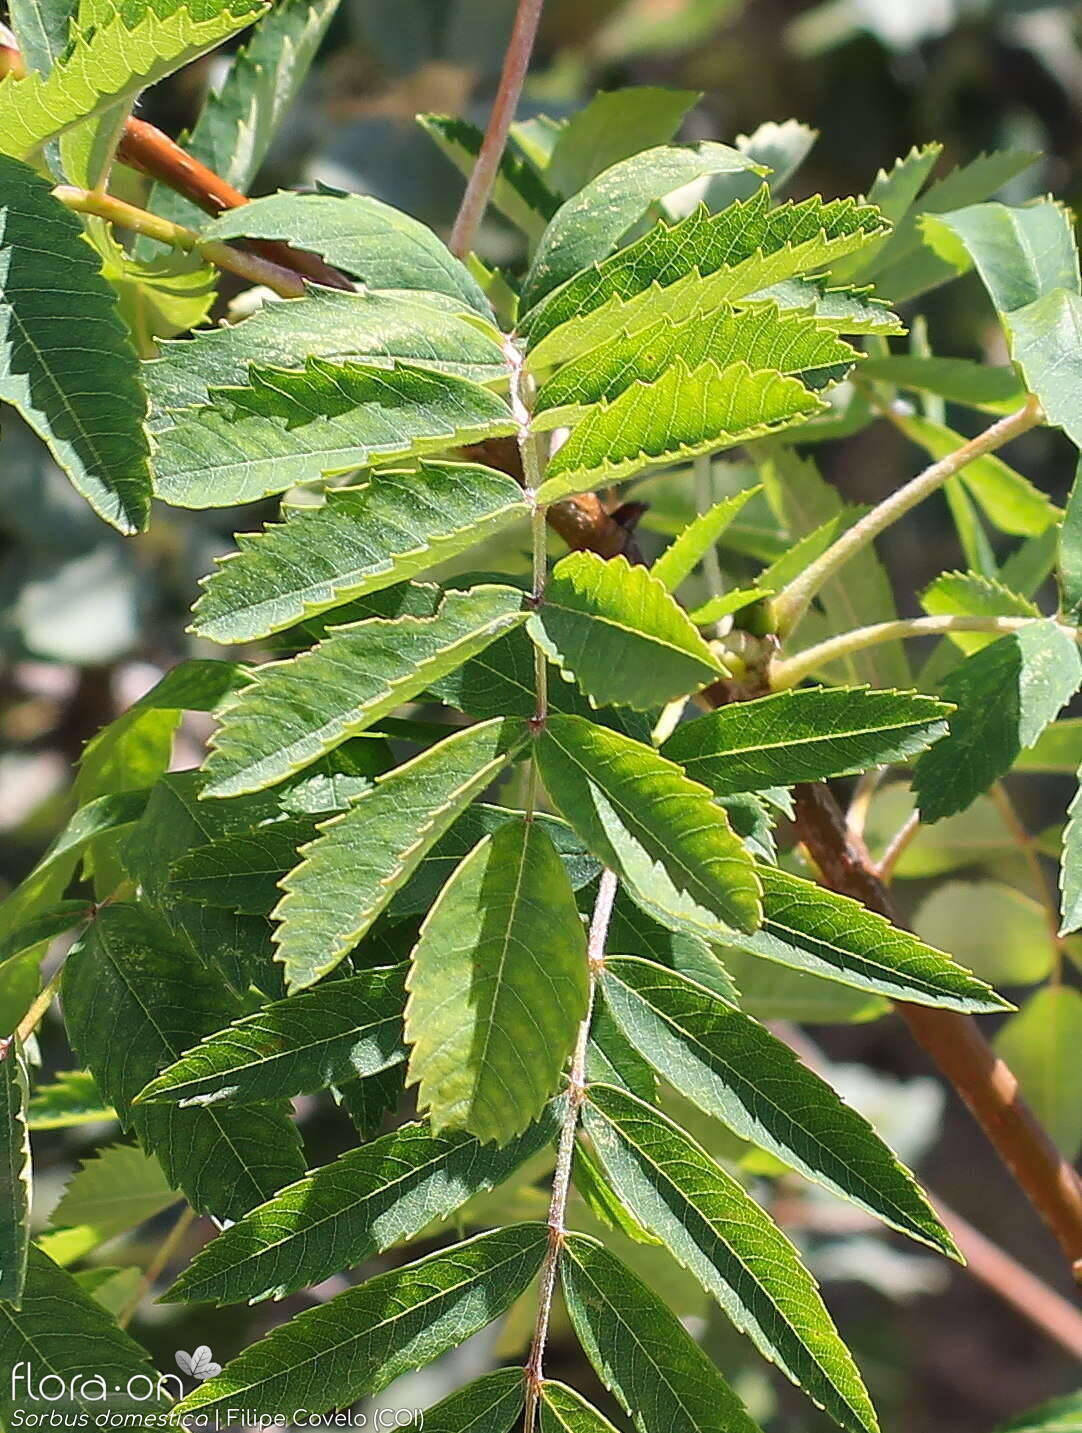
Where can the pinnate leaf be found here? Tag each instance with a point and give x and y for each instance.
(684, 413)
(341, 1214)
(352, 870)
(805, 735)
(497, 986)
(613, 126)
(359, 541)
(66, 361)
(642, 817)
(114, 52)
(296, 711)
(135, 998)
(71, 1098)
(285, 427)
(350, 1028)
(362, 1340)
(641, 1351)
(615, 630)
(737, 1253)
(734, 1069)
(1006, 694)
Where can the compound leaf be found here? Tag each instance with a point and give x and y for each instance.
(15, 1173)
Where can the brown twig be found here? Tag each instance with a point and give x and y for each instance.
(954, 1041)
(483, 176)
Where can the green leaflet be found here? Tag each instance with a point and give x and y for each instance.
(732, 1247)
(54, 1304)
(33, 898)
(644, 819)
(734, 1069)
(518, 192)
(564, 1411)
(749, 245)
(633, 932)
(16, 1173)
(114, 1192)
(972, 594)
(611, 127)
(41, 28)
(615, 630)
(1028, 260)
(762, 337)
(363, 1339)
(296, 711)
(361, 540)
(350, 1028)
(812, 929)
(288, 427)
(134, 1000)
(1069, 554)
(490, 1404)
(381, 246)
(694, 541)
(1021, 254)
(685, 413)
(340, 1215)
(240, 871)
(589, 225)
(51, 923)
(66, 362)
(1009, 500)
(71, 1099)
(1040, 1044)
(958, 380)
(361, 858)
(1070, 874)
(1006, 695)
(240, 117)
(498, 987)
(120, 51)
(1060, 1415)
(373, 328)
(805, 735)
(641, 1351)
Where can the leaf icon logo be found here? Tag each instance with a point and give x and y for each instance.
(199, 1365)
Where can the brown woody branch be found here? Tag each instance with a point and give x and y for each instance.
(954, 1041)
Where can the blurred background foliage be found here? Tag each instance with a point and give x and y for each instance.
(89, 620)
